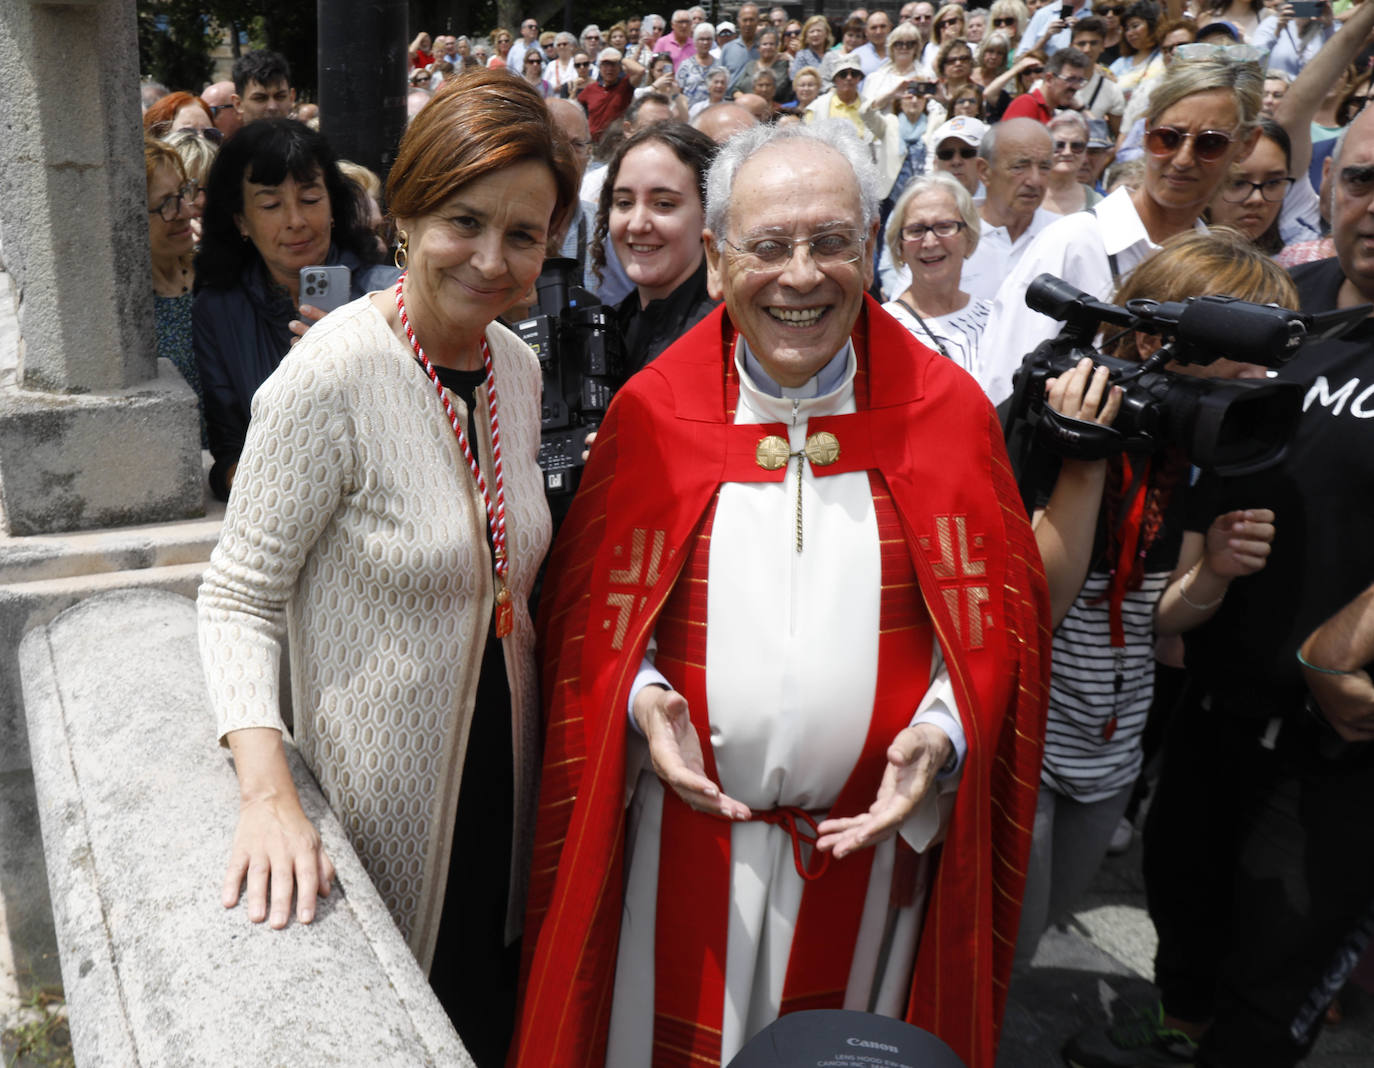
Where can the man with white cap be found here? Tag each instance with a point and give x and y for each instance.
(956, 148)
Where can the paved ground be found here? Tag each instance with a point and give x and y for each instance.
(1104, 956)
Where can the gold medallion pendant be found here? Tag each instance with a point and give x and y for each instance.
(823, 448)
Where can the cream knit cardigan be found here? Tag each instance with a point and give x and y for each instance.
(356, 522)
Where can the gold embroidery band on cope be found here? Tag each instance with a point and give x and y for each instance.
(772, 454)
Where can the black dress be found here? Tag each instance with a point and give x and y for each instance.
(647, 332)
(475, 973)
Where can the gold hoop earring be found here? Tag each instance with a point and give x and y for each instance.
(402, 254)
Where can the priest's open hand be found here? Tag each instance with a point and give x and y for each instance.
(914, 758)
(675, 751)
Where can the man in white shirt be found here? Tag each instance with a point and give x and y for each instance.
(872, 54)
(1014, 161)
(1099, 98)
(1046, 19)
(529, 38)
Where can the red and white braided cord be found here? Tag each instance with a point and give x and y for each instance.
(496, 517)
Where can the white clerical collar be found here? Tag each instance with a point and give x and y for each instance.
(827, 380)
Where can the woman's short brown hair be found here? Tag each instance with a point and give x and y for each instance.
(477, 124)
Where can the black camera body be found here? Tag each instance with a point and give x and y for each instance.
(581, 360)
(1234, 426)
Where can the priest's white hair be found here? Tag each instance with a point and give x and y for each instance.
(837, 134)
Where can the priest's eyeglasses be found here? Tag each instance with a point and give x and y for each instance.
(942, 228)
(1238, 190)
(834, 248)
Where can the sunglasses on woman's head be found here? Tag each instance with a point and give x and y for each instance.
(1208, 145)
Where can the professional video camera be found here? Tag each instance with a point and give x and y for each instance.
(580, 360)
(1234, 426)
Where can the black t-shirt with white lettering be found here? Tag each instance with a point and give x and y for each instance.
(1322, 495)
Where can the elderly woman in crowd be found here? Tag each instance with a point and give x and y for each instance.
(770, 58)
(692, 71)
(173, 204)
(932, 230)
(1065, 193)
(1009, 17)
(276, 201)
(390, 511)
(651, 213)
(816, 40)
(899, 72)
(717, 82)
(180, 111)
(561, 70)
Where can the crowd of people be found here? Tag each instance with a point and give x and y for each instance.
(814, 238)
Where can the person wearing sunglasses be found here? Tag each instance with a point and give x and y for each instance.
(1064, 193)
(219, 99)
(851, 40)
(956, 151)
(899, 72)
(1202, 119)
(562, 70)
(948, 26)
(1009, 17)
(180, 111)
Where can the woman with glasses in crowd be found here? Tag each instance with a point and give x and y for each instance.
(390, 514)
(816, 40)
(1022, 75)
(181, 111)
(932, 230)
(561, 70)
(791, 42)
(692, 71)
(1251, 197)
(717, 82)
(1009, 17)
(533, 64)
(501, 41)
(948, 26)
(1203, 118)
(990, 58)
(954, 78)
(1110, 13)
(197, 154)
(896, 74)
(173, 205)
(1065, 194)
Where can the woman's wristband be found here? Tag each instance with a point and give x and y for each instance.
(1321, 670)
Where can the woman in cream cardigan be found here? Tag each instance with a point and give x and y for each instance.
(376, 518)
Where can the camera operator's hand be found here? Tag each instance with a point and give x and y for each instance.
(1085, 393)
(589, 442)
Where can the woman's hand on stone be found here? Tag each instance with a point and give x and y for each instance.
(278, 850)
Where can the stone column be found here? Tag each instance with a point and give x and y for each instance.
(94, 430)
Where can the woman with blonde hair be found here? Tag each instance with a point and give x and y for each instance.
(1123, 570)
(197, 155)
(1009, 17)
(896, 74)
(948, 26)
(501, 41)
(1202, 118)
(816, 40)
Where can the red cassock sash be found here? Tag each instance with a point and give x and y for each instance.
(933, 448)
